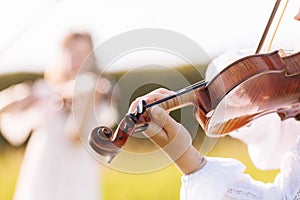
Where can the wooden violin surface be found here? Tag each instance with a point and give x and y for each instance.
(274, 86)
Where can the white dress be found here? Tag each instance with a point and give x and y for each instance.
(55, 166)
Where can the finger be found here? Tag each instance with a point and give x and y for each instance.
(157, 134)
(171, 136)
(134, 104)
(155, 130)
(151, 97)
(162, 119)
(158, 116)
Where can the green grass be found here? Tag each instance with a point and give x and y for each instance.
(10, 161)
(232, 148)
(163, 184)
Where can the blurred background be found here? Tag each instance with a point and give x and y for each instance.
(33, 31)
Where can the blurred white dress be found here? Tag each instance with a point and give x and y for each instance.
(55, 165)
(272, 144)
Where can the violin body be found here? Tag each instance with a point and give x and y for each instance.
(247, 89)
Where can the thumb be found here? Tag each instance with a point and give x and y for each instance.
(155, 129)
(160, 117)
(171, 136)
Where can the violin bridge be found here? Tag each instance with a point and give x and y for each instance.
(282, 53)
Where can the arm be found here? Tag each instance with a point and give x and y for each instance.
(17, 113)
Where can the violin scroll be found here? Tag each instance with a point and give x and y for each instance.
(107, 144)
(100, 140)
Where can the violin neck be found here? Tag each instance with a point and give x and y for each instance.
(178, 102)
(182, 98)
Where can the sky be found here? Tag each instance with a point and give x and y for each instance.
(32, 30)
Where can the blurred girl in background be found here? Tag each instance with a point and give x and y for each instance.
(56, 165)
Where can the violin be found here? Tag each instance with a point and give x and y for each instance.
(247, 89)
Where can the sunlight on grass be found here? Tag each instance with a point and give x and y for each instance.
(232, 148)
(10, 161)
(162, 184)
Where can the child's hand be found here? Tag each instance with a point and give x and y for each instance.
(170, 135)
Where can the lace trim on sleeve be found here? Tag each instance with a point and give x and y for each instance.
(235, 194)
(246, 189)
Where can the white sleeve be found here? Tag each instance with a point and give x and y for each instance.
(287, 182)
(16, 126)
(212, 181)
(223, 179)
(285, 186)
